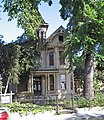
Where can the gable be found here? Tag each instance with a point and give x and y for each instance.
(56, 37)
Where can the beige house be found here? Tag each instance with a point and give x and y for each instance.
(53, 77)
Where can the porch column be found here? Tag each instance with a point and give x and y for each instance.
(46, 83)
(55, 83)
(30, 83)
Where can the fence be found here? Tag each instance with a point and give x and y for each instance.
(6, 98)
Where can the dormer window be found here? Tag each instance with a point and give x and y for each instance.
(61, 39)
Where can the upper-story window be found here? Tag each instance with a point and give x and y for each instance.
(37, 60)
(42, 34)
(51, 58)
(43, 37)
(61, 58)
(61, 39)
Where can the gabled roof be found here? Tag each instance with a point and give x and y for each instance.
(57, 31)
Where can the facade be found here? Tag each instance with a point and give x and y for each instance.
(53, 77)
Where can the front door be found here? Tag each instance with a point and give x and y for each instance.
(37, 86)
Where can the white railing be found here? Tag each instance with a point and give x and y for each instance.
(6, 98)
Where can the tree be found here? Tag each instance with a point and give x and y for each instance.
(20, 58)
(85, 37)
(9, 64)
(30, 52)
(27, 14)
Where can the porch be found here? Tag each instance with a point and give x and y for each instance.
(44, 82)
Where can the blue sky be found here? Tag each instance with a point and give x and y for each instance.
(50, 14)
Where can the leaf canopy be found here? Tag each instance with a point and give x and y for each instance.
(85, 28)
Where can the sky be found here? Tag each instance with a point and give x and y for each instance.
(50, 14)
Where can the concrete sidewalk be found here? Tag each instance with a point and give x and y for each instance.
(96, 113)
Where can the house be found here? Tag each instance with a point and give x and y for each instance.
(53, 77)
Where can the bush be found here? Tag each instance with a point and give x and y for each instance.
(98, 100)
(27, 108)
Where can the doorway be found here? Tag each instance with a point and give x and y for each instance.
(37, 86)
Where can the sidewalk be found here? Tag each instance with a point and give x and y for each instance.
(96, 113)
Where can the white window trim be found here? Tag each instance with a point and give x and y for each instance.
(63, 82)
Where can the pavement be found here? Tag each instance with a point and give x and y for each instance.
(96, 113)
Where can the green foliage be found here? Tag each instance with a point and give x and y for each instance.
(1, 84)
(27, 108)
(27, 14)
(98, 80)
(86, 28)
(85, 36)
(18, 58)
(30, 53)
(9, 63)
(98, 100)
(83, 102)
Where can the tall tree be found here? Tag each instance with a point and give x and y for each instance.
(9, 64)
(30, 53)
(27, 14)
(22, 57)
(85, 36)
(18, 58)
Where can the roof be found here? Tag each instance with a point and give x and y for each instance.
(55, 32)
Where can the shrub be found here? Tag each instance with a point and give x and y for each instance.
(27, 108)
(98, 100)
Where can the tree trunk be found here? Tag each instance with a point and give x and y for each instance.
(7, 84)
(89, 70)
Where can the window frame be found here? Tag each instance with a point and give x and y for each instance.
(61, 58)
(61, 38)
(63, 81)
(51, 58)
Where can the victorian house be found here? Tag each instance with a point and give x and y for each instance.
(53, 77)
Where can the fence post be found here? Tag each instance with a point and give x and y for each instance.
(11, 96)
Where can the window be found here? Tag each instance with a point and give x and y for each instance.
(61, 38)
(63, 81)
(51, 58)
(61, 58)
(51, 82)
(37, 60)
(43, 37)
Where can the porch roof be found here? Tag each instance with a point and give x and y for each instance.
(46, 71)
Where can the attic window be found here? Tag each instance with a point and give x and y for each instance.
(61, 38)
